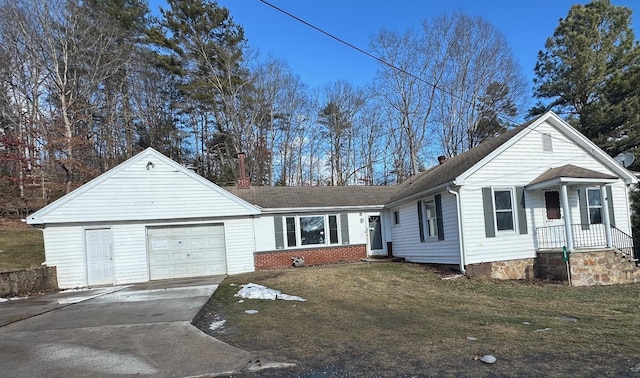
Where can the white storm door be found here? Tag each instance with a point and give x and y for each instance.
(375, 234)
(99, 251)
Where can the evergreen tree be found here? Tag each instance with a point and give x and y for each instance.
(590, 72)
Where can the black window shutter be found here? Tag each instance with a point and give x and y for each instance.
(439, 223)
(277, 226)
(584, 210)
(612, 217)
(420, 221)
(522, 210)
(344, 228)
(487, 205)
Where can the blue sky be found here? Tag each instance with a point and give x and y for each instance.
(319, 60)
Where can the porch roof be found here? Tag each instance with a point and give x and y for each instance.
(570, 174)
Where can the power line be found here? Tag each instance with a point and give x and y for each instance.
(362, 51)
(384, 62)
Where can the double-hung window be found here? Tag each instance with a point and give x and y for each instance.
(594, 205)
(504, 210)
(430, 223)
(503, 205)
(430, 218)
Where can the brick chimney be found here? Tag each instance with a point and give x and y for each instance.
(243, 181)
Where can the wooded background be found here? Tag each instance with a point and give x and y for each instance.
(84, 85)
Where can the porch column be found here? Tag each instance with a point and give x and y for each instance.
(564, 200)
(605, 215)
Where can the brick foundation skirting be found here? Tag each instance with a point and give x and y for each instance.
(312, 256)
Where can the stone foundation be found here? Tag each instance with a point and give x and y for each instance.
(602, 268)
(589, 268)
(503, 270)
(25, 282)
(317, 256)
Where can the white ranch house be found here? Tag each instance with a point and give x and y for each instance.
(504, 209)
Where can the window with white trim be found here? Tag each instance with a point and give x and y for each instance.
(310, 230)
(430, 219)
(594, 205)
(503, 208)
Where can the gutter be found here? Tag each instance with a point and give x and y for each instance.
(460, 228)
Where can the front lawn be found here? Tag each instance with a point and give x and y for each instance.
(403, 319)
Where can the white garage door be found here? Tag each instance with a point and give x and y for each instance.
(186, 251)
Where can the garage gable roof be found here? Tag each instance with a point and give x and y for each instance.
(147, 186)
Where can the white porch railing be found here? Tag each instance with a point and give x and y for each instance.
(594, 235)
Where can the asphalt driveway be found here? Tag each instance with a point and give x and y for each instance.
(142, 330)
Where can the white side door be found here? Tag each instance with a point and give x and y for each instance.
(99, 249)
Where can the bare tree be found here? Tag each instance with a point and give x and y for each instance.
(407, 90)
(476, 59)
(338, 116)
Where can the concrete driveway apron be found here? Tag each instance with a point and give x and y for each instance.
(142, 330)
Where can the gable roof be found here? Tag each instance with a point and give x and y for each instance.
(140, 188)
(457, 168)
(315, 197)
(569, 173)
(448, 171)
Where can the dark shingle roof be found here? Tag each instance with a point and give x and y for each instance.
(276, 197)
(454, 166)
(269, 197)
(570, 171)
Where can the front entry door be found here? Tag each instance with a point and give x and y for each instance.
(375, 234)
(99, 257)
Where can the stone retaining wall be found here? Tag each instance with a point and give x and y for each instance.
(25, 282)
(589, 268)
(602, 268)
(503, 270)
(316, 256)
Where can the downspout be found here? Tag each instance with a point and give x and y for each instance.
(460, 228)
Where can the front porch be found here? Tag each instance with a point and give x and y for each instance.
(584, 237)
(592, 261)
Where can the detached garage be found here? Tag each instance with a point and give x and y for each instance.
(147, 219)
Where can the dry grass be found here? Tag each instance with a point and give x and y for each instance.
(403, 320)
(21, 247)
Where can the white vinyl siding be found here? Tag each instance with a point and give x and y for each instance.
(518, 165)
(64, 247)
(133, 192)
(406, 239)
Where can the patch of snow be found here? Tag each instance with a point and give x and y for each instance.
(526, 323)
(3, 300)
(251, 312)
(471, 338)
(255, 291)
(488, 359)
(215, 325)
(241, 301)
(233, 284)
(542, 330)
